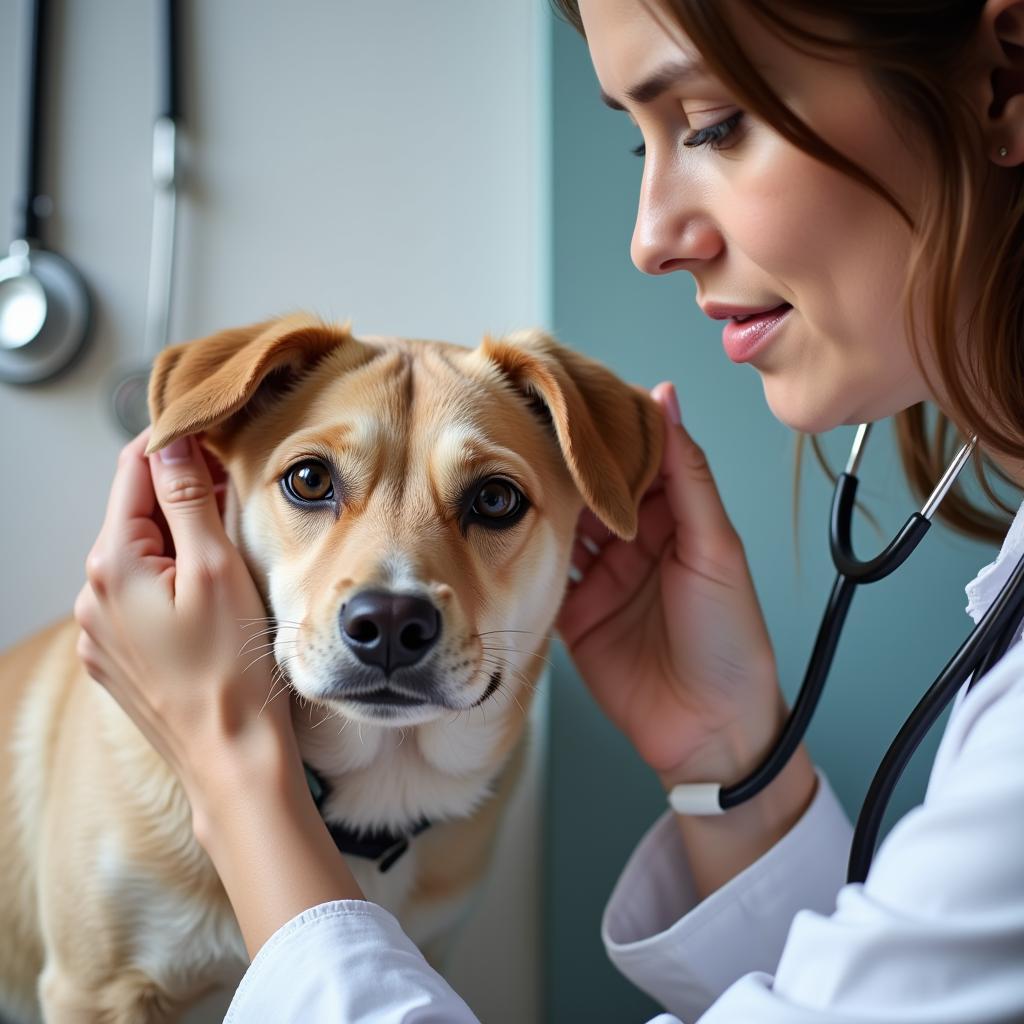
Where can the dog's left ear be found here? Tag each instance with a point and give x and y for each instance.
(611, 433)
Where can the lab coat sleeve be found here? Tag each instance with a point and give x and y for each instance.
(935, 933)
(685, 953)
(342, 962)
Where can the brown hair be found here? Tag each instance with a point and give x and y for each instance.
(913, 51)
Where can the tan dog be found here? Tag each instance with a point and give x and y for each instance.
(407, 509)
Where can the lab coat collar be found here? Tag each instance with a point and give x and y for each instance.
(985, 587)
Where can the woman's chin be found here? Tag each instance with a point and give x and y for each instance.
(807, 417)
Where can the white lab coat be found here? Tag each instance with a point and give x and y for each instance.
(935, 934)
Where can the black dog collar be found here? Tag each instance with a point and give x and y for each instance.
(376, 844)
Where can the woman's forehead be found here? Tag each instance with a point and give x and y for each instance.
(630, 42)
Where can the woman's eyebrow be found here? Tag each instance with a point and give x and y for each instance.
(654, 85)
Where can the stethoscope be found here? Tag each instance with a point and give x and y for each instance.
(985, 645)
(129, 394)
(44, 303)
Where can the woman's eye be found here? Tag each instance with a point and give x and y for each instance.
(715, 134)
(309, 481)
(496, 500)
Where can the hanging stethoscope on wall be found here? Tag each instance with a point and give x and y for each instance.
(44, 304)
(129, 393)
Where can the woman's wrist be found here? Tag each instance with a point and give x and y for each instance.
(259, 767)
(255, 817)
(719, 846)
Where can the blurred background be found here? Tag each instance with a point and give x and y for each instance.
(438, 170)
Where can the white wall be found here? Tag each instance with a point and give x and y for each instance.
(374, 160)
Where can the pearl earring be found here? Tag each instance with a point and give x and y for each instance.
(1003, 151)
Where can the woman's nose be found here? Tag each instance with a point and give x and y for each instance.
(672, 232)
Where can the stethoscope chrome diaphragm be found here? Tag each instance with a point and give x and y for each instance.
(44, 303)
(44, 314)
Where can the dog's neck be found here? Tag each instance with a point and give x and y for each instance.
(386, 778)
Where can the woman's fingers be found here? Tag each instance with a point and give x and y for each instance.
(187, 496)
(129, 538)
(702, 525)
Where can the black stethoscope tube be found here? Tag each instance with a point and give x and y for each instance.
(851, 573)
(170, 100)
(986, 644)
(26, 206)
(806, 702)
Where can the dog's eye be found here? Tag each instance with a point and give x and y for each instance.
(309, 481)
(497, 499)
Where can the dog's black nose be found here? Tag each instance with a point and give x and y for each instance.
(389, 630)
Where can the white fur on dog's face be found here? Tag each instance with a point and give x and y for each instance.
(409, 439)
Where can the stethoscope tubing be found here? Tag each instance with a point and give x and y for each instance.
(26, 207)
(985, 645)
(851, 573)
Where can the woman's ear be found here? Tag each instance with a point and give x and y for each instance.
(1001, 113)
(611, 433)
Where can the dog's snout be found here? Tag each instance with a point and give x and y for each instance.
(389, 630)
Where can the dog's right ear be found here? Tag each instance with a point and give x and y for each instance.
(202, 385)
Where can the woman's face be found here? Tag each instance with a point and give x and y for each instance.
(760, 224)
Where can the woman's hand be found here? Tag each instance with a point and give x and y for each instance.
(161, 617)
(667, 631)
(166, 614)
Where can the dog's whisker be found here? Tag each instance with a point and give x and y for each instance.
(266, 632)
(270, 697)
(515, 650)
(266, 654)
(278, 675)
(505, 692)
(330, 714)
(492, 659)
(488, 632)
(511, 668)
(271, 624)
(270, 621)
(246, 649)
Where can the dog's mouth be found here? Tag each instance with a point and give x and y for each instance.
(390, 697)
(385, 696)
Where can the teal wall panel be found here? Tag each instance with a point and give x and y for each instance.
(900, 632)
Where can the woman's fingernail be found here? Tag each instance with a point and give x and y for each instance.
(673, 406)
(177, 451)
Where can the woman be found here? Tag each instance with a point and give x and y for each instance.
(842, 180)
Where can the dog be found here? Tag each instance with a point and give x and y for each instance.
(407, 509)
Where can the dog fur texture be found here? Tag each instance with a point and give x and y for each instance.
(110, 911)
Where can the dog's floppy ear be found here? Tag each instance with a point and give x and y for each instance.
(611, 433)
(201, 384)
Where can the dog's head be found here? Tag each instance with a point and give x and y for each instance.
(408, 507)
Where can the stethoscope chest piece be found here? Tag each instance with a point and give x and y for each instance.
(44, 314)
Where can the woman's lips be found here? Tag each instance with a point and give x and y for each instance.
(745, 337)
